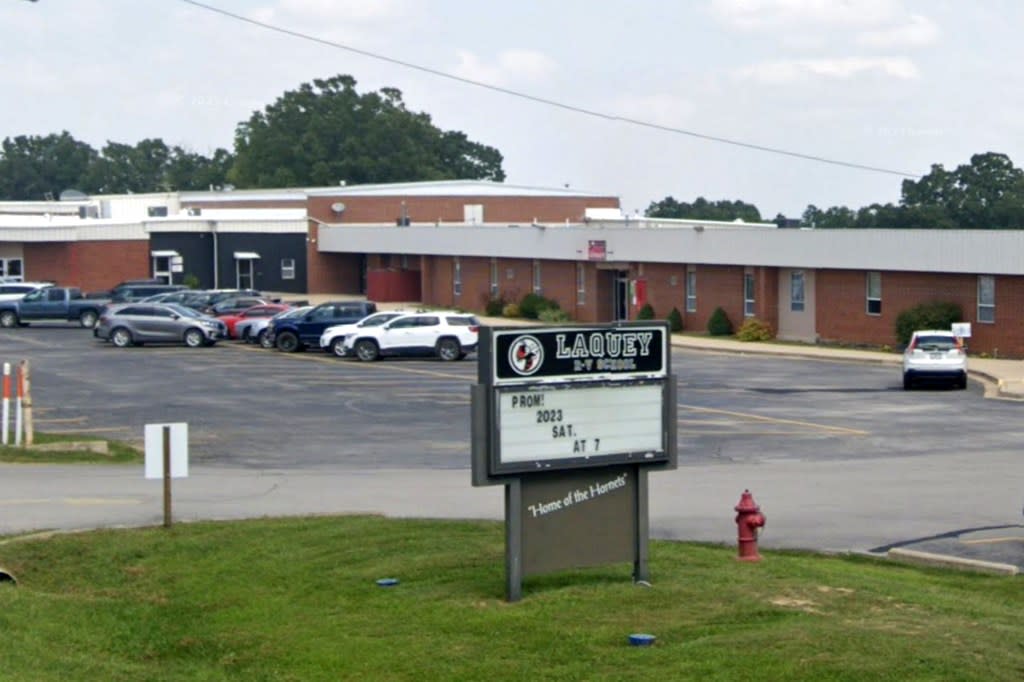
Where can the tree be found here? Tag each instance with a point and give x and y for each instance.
(702, 209)
(34, 167)
(987, 193)
(325, 132)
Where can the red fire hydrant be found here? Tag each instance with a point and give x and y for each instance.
(748, 520)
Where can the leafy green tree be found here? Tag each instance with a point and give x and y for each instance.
(33, 167)
(325, 132)
(702, 209)
(987, 193)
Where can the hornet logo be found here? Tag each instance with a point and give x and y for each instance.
(525, 355)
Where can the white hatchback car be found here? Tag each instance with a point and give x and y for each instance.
(444, 334)
(332, 340)
(935, 355)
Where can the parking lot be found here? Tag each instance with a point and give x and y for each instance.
(838, 454)
(253, 407)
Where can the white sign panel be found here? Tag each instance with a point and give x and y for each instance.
(580, 422)
(962, 329)
(155, 450)
(177, 264)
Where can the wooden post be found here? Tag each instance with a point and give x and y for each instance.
(167, 476)
(27, 404)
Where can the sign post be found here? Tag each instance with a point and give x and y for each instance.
(570, 420)
(166, 458)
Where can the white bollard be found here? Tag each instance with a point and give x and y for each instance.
(6, 417)
(19, 391)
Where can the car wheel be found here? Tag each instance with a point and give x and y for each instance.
(88, 319)
(961, 383)
(121, 337)
(8, 318)
(908, 383)
(263, 339)
(367, 350)
(287, 342)
(245, 335)
(449, 349)
(338, 347)
(194, 338)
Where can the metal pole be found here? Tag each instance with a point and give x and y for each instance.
(27, 404)
(19, 389)
(514, 540)
(6, 409)
(167, 476)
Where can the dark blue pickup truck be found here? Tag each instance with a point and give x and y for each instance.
(295, 333)
(52, 304)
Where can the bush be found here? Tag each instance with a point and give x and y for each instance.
(532, 305)
(933, 315)
(191, 281)
(675, 320)
(511, 310)
(719, 324)
(553, 315)
(646, 312)
(495, 307)
(754, 329)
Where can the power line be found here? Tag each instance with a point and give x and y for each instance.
(542, 100)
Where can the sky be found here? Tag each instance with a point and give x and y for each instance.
(676, 97)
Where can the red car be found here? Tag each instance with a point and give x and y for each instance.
(262, 310)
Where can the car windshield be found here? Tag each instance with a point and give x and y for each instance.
(378, 320)
(183, 310)
(294, 312)
(933, 342)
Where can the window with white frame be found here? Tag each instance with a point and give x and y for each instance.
(796, 291)
(691, 291)
(874, 293)
(457, 277)
(287, 268)
(494, 278)
(748, 294)
(11, 270)
(986, 299)
(537, 287)
(581, 284)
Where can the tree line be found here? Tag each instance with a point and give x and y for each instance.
(987, 193)
(322, 133)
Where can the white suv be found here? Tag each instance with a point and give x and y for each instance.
(15, 291)
(332, 340)
(447, 335)
(935, 355)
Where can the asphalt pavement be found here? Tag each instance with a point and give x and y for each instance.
(40, 497)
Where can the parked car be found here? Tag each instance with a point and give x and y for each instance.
(15, 291)
(291, 334)
(447, 335)
(255, 330)
(332, 340)
(133, 324)
(264, 310)
(52, 304)
(935, 355)
(126, 293)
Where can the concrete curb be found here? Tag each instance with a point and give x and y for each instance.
(911, 556)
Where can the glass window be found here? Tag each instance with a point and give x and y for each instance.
(457, 277)
(287, 268)
(537, 287)
(748, 294)
(404, 323)
(796, 291)
(874, 293)
(494, 278)
(986, 298)
(691, 291)
(55, 295)
(581, 284)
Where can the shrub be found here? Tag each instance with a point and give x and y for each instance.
(646, 312)
(532, 305)
(511, 310)
(719, 324)
(933, 315)
(191, 281)
(553, 315)
(754, 329)
(495, 307)
(675, 320)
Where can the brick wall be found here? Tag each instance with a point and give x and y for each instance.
(717, 285)
(666, 287)
(91, 266)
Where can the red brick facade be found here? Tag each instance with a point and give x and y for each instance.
(91, 266)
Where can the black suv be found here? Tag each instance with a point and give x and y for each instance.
(295, 333)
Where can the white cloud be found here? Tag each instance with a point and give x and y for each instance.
(510, 66)
(308, 11)
(917, 31)
(754, 15)
(788, 71)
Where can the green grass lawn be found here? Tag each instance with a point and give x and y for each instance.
(119, 453)
(296, 599)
